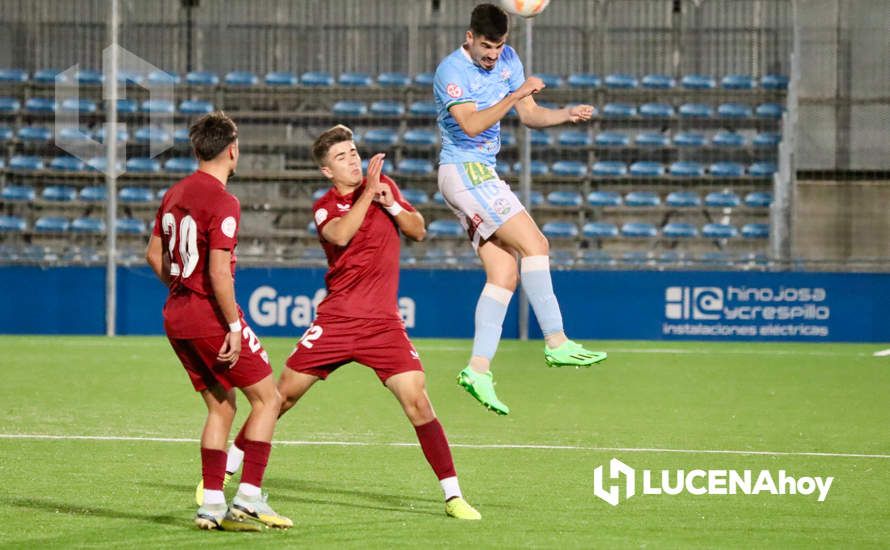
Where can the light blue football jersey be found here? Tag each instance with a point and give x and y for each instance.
(459, 80)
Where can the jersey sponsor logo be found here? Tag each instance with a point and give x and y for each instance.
(505, 74)
(343, 207)
(320, 216)
(454, 90)
(474, 223)
(479, 172)
(228, 227)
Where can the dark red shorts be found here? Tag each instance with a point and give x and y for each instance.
(331, 342)
(198, 356)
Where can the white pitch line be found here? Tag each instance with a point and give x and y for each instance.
(507, 349)
(460, 445)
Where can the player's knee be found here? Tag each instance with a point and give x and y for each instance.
(419, 410)
(505, 277)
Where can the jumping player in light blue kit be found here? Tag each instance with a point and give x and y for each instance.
(475, 87)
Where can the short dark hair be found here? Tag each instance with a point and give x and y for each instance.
(211, 134)
(489, 21)
(328, 139)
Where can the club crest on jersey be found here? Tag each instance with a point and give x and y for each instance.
(228, 227)
(501, 206)
(505, 74)
(320, 216)
(454, 90)
(343, 207)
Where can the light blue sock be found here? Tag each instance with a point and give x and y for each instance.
(490, 312)
(538, 287)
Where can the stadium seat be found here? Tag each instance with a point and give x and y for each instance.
(135, 195)
(758, 199)
(728, 139)
(609, 168)
(508, 139)
(755, 231)
(737, 82)
(672, 257)
(619, 110)
(127, 106)
(122, 135)
(570, 199)
(604, 198)
(424, 79)
(646, 169)
(690, 139)
(698, 82)
(381, 136)
(584, 80)
(349, 108)
(592, 256)
(621, 81)
(537, 198)
(387, 108)
(612, 139)
(537, 168)
(415, 196)
(569, 168)
(51, 224)
(656, 110)
(679, 230)
(574, 138)
(423, 108)
(719, 231)
(769, 110)
(562, 258)
(734, 110)
(762, 169)
(89, 77)
(639, 230)
(357, 80)
(149, 133)
(551, 80)
(722, 199)
(316, 79)
(715, 258)
(35, 133)
(68, 164)
(40, 105)
(438, 256)
(6, 133)
(12, 224)
(130, 226)
(157, 106)
(502, 167)
(163, 77)
(181, 165)
(559, 230)
(393, 80)
(774, 82)
(540, 138)
(636, 257)
(683, 199)
(642, 199)
(280, 78)
(241, 78)
(73, 134)
(415, 166)
(9, 105)
(17, 193)
(59, 193)
(202, 78)
(727, 170)
(88, 224)
(143, 165)
(25, 162)
(71, 105)
(687, 169)
(438, 198)
(47, 76)
(658, 82)
(195, 107)
(767, 140)
(600, 230)
(696, 110)
(445, 228)
(13, 76)
(652, 139)
(181, 135)
(95, 193)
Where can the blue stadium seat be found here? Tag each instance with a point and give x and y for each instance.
(734, 110)
(728, 139)
(89, 77)
(575, 138)
(280, 78)
(388, 166)
(423, 108)
(593, 256)
(690, 139)
(438, 256)
(551, 80)
(559, 230)
(59, 193)
(135, 195)
(48, 76)
(35, 133)
(639, 230)
(584, 80)
(636, 257)
(571, 199)
(122, 135)
(420, 137)
(569, 168)
(394, 80)
(774, 82)
(388, 108)
(679, 230)
(241, 78)
(40, 105)
(25, 162)
(9, 105)
(755, 231)
(163, 77)
(68, 164)
(415, 196)
(6, 133)
(127, 77)
(51, 224)
(767, 139)
(562, 258)
(157, 106)
(698, 82)
(195, 107)
(130, 226)
(181, 164)
(17, 193)
(78, 105)
(646, 169)
(738, 82)
(94, 193)
(612, 139)
(445, 228)
(349, 107)
(715, 258)
(88, 224)
(656, 110)
(642, 199)
(181, 135)
(12, 224)
(619, 110)
(758, 199)
(160, 194)
(508, 138)
(13, 76)
(438, 198)
(727, 170)
(540, 138)
(127, 106)
(415, 166)
(687, 169)
(386, 137)
(537, 168)
(609, 168)
(683, 199)
(143, 165)
(719, 231)
(672, 257)
(652, 139)
(311, 228)
(74, 134)
(502, 167)
(202, 78)
(769, 110)
(537, 198)
(313, 254)
(722, 199)
(621, 81)
(600, 230)
(604, 198)
(658, 82)
(316, 79)
(358, 80)
(149, 133)
(424, 79)
(696, 110)
(762, 169)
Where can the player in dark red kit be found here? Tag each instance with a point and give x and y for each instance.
(358, 222)
(192, 251)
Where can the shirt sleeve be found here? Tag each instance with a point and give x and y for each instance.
(517, 72)
(450, 86)
(397, 193)
(323, 212)
(222, 232)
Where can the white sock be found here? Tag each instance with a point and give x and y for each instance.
(213, 496)
(249, 490)
(234, 458)
(450, 487)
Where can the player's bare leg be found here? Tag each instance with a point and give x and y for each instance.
(220, 414)
(410, 389)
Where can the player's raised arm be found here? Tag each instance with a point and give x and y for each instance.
(409, 220)
(534, 116)
(474, 122)
(340, 231)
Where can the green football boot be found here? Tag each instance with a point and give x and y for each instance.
(572, 354)
(481, 386)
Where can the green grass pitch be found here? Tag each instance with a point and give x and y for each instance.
(348, 472)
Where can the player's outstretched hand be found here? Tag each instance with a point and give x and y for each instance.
(578, 113)
(230, 349)
(532, 85)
